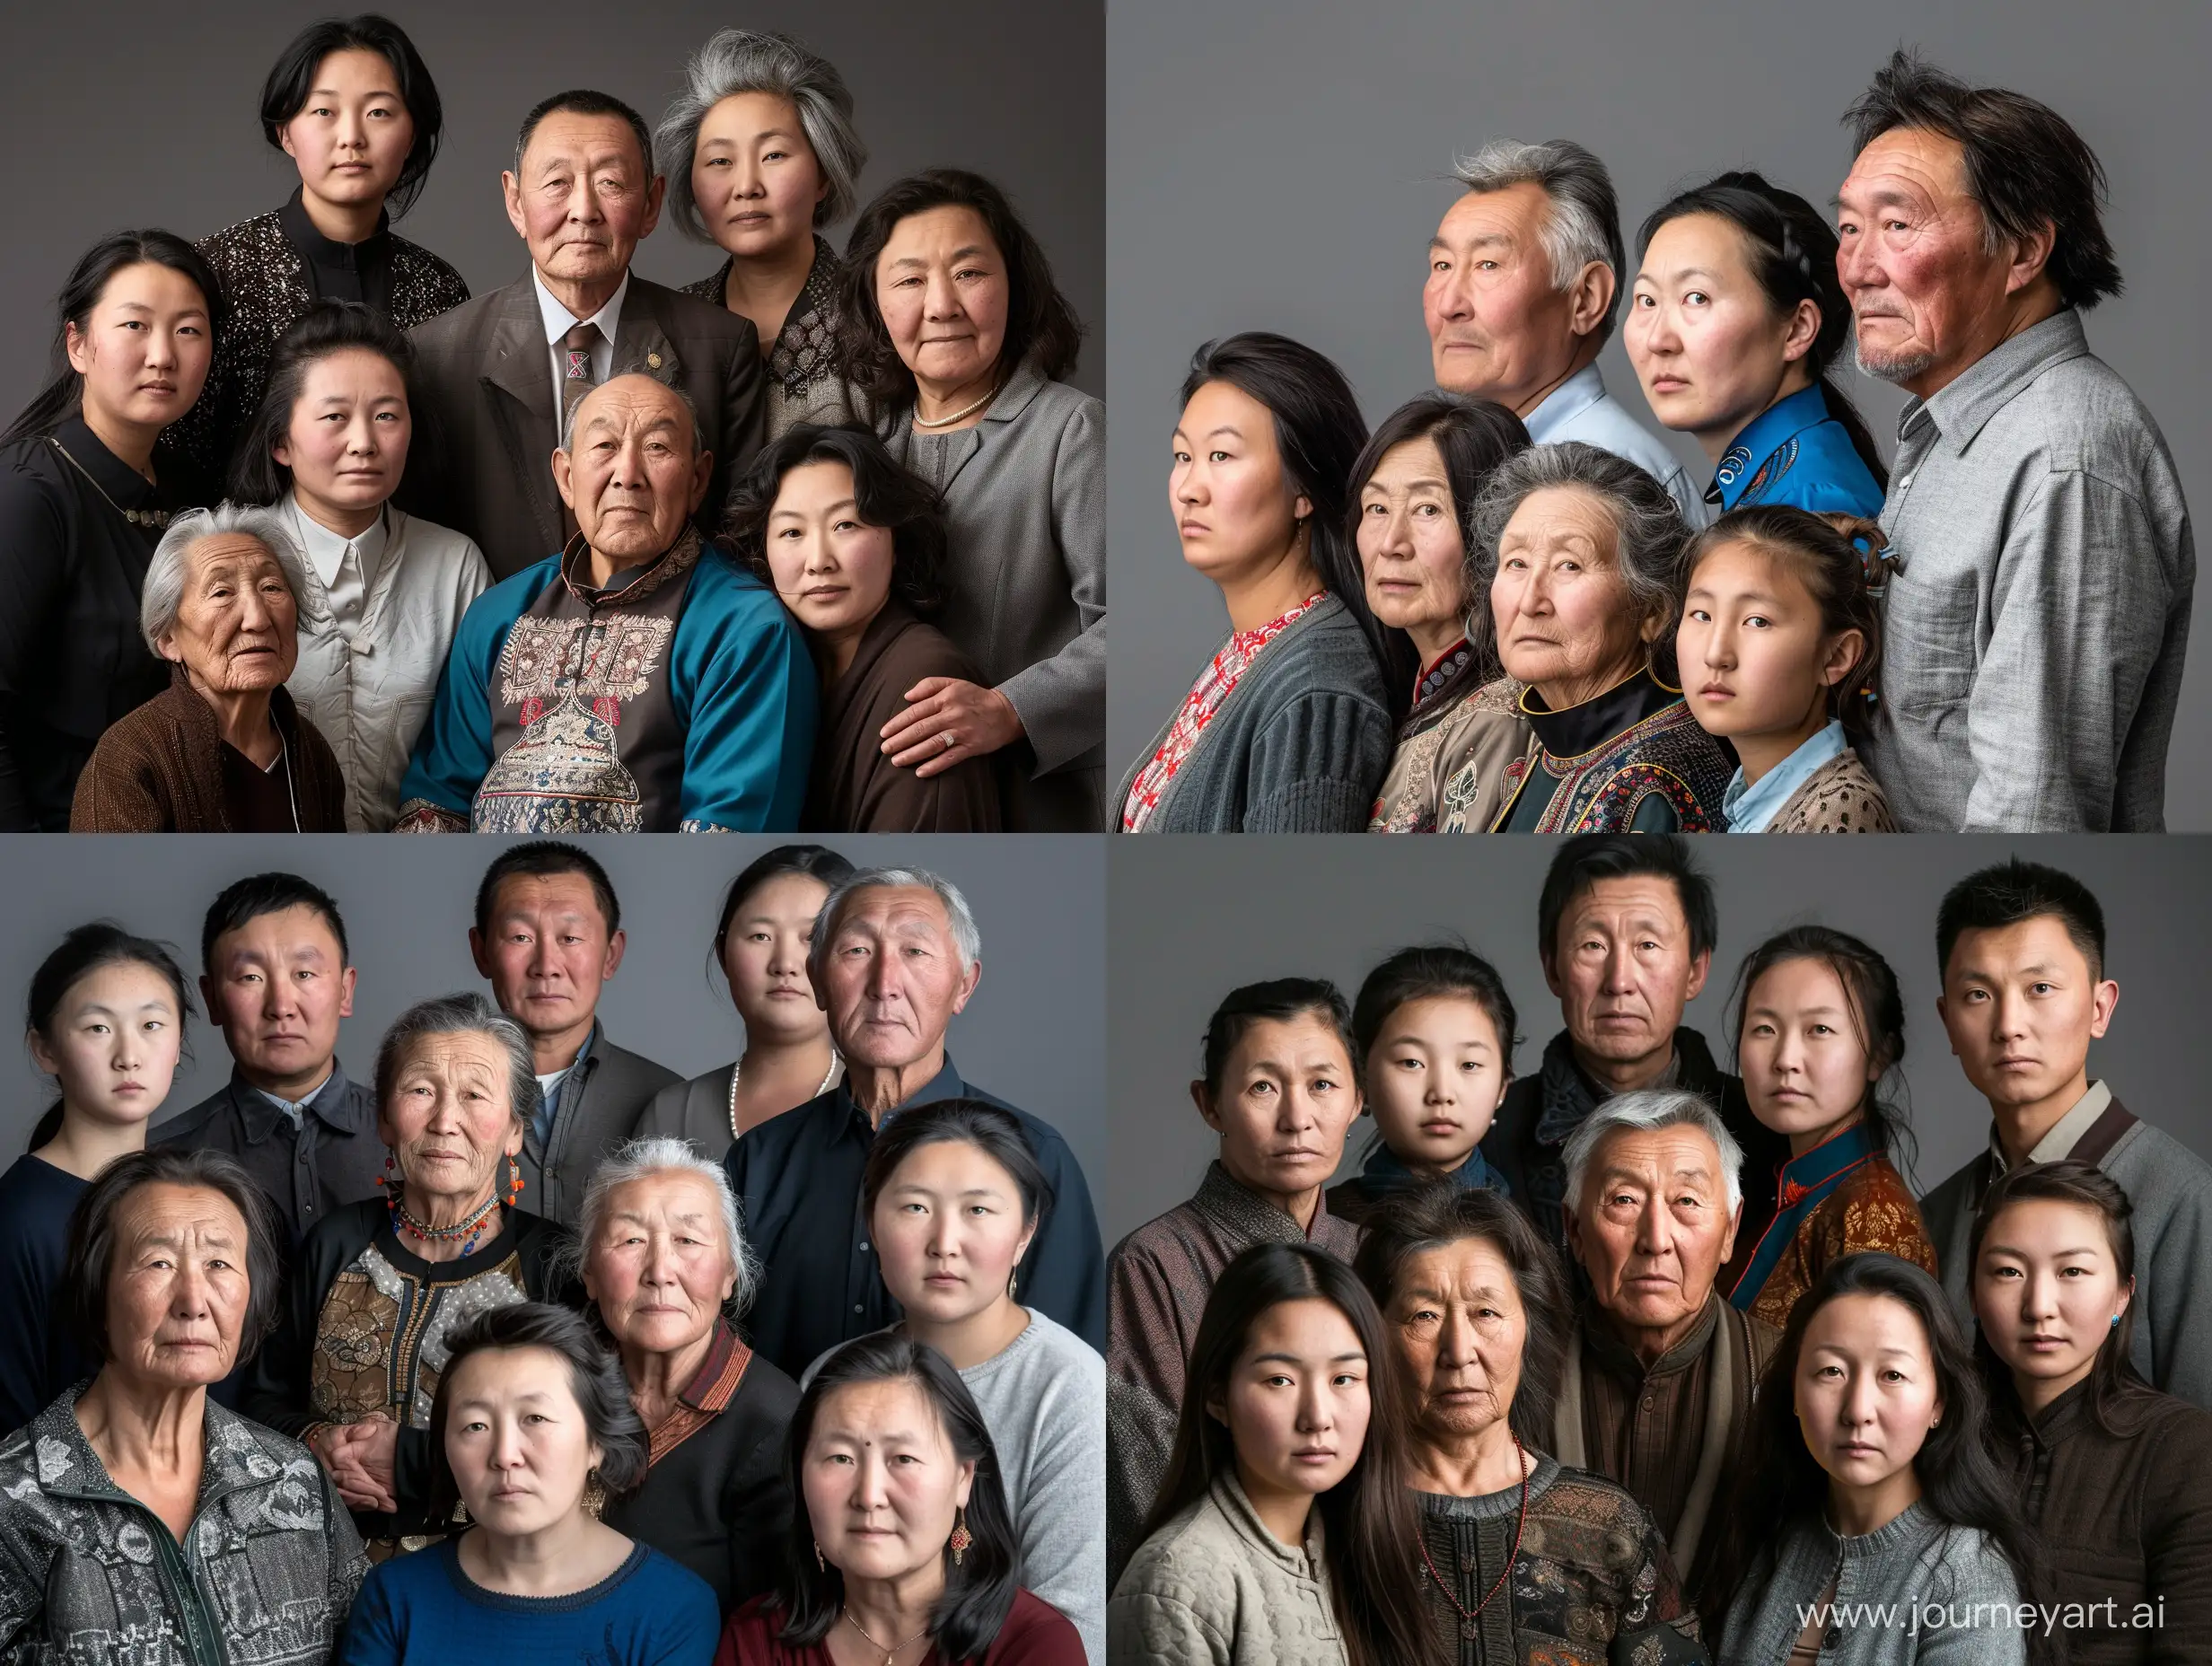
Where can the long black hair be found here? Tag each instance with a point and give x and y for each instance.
(291, 77)
(1790, 249)
(885, 494)
(816, 862)
(326, 328)
(87, 950)
(63, 396)
(1369, 1527)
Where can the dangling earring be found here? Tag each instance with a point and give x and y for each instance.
(821, 1564)
(388, 1178)
(515, 1179)
(461, 1513)
(594, 1496)
(960, 1538)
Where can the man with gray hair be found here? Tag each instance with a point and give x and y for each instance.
(1660, 1370)
(1523, 283)
(895, 956)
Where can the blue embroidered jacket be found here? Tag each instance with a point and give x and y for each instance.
(1794, 452)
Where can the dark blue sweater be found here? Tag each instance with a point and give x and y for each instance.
(39, 1358)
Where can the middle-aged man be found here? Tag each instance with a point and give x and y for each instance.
(2020, 950)
(1524, 284)
(895, 957)
(640, 680)
(549, 937)
(1626, 928)
(1660, 1371)
(2037, 617)
(277, 977)
(498, 374)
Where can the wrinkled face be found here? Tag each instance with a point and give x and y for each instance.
(347, 441)
(951, 1228)
(1653, 1226)
(1286, 1099)
(112, 1044)
(2048, 1289)
(1234, 505)
(1565, 620)
(1459, 1327)
(516, 1439)
(754, 176)
(450, 1116)
(1410, 547)
(880, 1480)
(2021, 1007)
(1435, 1077)
(1755, 657)
(1706, 343)
(764, 957)
(832, 568)
(659, 1265)
(1297, 1402)
(546, 950)
(941, 284)
(178, 1288)
(144, 349)
(1866, 1388)
(629, 470)
(893, 976)
(1802, 1051)
(584, 197)
(237, 622)
(1623, 967)
(278, 986)
(1497, 328)
(352, 136)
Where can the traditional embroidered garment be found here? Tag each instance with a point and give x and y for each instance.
(804, 384)
(1794, 452)
(1407, 800)
(1632, 761)
(681, 696)
(1484, 736)
(1839, 1198)
(1215, 685)
(1841, 796)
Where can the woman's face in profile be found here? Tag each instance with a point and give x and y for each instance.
(1409, 548)
(832, 568)
(1234, 511)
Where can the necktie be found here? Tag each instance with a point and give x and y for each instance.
(576, 380)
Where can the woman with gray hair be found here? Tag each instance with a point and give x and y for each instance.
(1581, 554)
(223, 749)
(759, 152)
(668, 1273)
(377, 1286)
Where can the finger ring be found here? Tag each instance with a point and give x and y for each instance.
(947, 734)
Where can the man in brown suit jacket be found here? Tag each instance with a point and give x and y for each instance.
(498, 373)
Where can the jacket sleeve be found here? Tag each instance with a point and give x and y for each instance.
(1141, 1404)
(1059, 1519)
(118, 794)
(744, 689)
(277, 1391)
(2177, 1535)
(1143, 1628)
(1061, 700)
(1069, 1276)
(348, 1562)
(453, 753)
(744, 427)
(2180, 1265)
(1315, 766)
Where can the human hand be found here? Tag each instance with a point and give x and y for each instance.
(948, 723)
(361, 1458)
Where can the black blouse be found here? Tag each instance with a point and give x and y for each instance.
(336, 271)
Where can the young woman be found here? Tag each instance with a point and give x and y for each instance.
(1865, 1478)
(1288, 729)
(1433, 1027)
(1779, 643)
(2114, 1476)
(1284, 1532)
(1733, 321)
(1820, 1039)
(105, 1019)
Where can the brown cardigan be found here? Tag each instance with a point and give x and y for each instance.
(160, 771)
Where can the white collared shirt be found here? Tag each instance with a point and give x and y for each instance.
(347, 566)
(2067, 1132)
(1581, 408)
(559, 320)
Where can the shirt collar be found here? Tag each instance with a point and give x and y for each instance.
(719, 1374)
(559, 320)
(329, 1104)
(327, 550)
(1564, 403)
(1748, 809)
(945, 1084)
(1761, 437)
(1961, 405)
(2067, 1132)
(1579, 730)
(314, 247)
(122, 483)
(1618, 1359)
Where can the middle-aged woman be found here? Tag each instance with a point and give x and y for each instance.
(1474, 1305)
(378, 1285)
(1583, 549)
(854, 547)
(760, 943)
(1416, 484)
(907, 1555)
(223, 748)
(952, 1195)
(1733, 321)
(382, 591)
(668, 1274)
(81, 508)
(759, 152)
(139, 1520)
(532, 1433)
(2115, 1477)
(351, 102)
(1864, 1480)
(105, 1019)
(1820, 1042)
(953, 330)
(1288, 729)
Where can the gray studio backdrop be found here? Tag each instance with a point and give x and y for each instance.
(139, 112)
(1279, 164)
(1196, 917)
(1033, 1033)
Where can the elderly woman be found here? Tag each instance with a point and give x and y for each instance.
(854, 547)
(377, 1286)
(1583, 549)
(759, 152)
(669, 1272)
(955, 331)
(222, 749)
(139, 1520)
(1473, 1301)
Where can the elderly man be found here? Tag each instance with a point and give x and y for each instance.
(1660, 1370)
(277, 978)
(640, 680)
(1626, 927)
(895, 957)
(501, 373)
(2040, 605)
(1523, 283)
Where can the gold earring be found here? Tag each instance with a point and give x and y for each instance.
(594, 1496)
(819, 1563)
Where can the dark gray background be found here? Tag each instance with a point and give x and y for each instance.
(141, 112)
(1196, 917)
(1280, 164)
(1033, 1033)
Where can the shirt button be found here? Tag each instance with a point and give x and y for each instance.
(1833, 1636)
(856, 1307)
(1647, 1402)
(864, 1246)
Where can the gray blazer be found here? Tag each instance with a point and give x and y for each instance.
(698, 1111)
(1299, 746)
(1026, 499)
(600, 1100)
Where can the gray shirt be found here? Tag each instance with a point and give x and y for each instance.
(2034, 630)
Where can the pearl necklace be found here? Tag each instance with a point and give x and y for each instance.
(737, 1072)
(921, 421)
